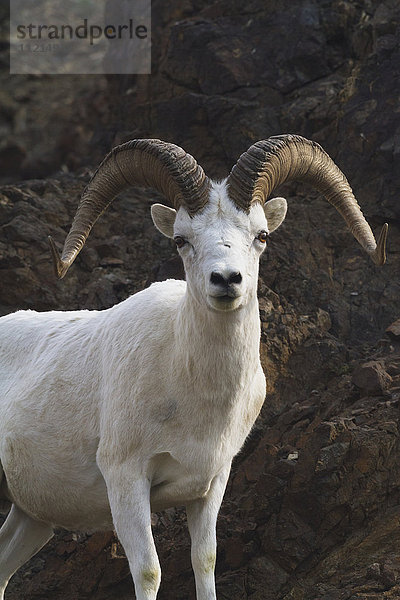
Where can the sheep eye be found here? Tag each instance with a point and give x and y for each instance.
(179, 241)
(262, 236)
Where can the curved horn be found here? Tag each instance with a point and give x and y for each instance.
(148, 163)
(268, 163)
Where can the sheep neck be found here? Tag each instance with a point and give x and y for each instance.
(218, 347)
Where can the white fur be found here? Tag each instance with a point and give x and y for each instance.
(107, 415)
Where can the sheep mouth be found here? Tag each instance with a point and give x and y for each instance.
(225, 298)
(224, 301)
(226, 295)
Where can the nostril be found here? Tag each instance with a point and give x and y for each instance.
(235, 278)
(217, 278)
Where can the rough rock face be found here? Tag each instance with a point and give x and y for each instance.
(311, 510)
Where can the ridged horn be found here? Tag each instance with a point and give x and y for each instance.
(148, 163)
(269, 163)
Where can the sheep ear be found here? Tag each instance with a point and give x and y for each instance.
(164, 219)
(275, 211)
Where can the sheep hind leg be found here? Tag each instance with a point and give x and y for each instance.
(20, 538)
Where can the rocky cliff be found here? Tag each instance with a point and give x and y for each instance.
(312, 508)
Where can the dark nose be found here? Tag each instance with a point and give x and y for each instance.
(219, 279)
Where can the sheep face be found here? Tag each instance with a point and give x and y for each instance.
(221, 246)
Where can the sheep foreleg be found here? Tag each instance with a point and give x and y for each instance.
(130, 507)
(202, 519)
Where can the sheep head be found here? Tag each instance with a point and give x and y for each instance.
(220, 229)
(221, 245)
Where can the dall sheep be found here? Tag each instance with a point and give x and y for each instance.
(109, 415)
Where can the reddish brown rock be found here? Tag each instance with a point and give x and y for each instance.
(394, 329)
(371, 378)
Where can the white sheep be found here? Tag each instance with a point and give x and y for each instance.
(109, 415)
